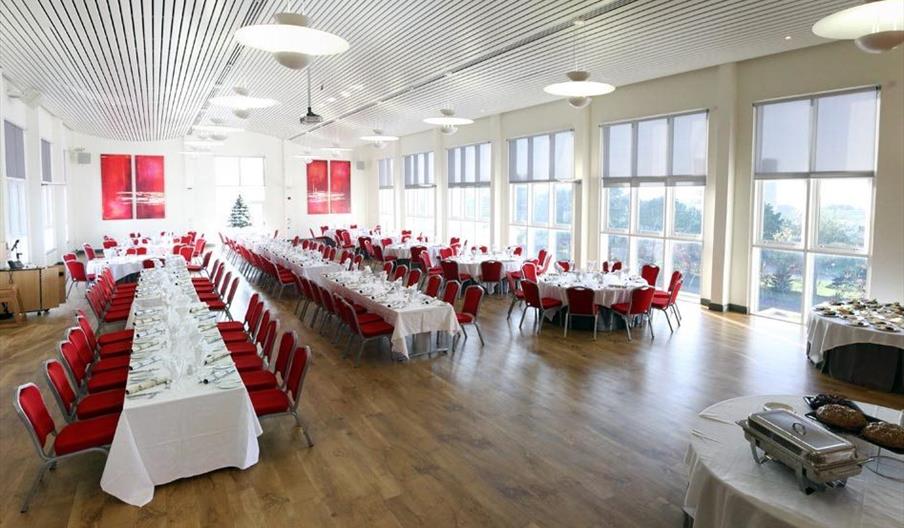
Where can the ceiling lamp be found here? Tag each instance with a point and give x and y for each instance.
(290, 40)
(241, 102)
(448, 118)
(875, 26)
(578, 89)
(379, 139)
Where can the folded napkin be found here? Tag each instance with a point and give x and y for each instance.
(216, 356)
(145, 385)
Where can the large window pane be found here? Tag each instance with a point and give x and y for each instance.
(563, 204)
(619, 208)
(486, 161)
(647, 251)
(469, 202)
(252, 171)
(650, 207)
(540, 206)
(519, 236)
(688, 211)
(784, 137)
(226, 170)
(617, 249)
(686, 258)
(540, 148)
(538, 239)
(564, 156)
(563, 245)
(846, 132)
(838, 277)
(689, 136)
(780, 288)
(485, 204)
(652, 147)
(519, 205)
(618, 151)
(520, 146)
(784, 203)
(844, 212)
(470, 163)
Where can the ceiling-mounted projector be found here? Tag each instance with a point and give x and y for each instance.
(311, 118)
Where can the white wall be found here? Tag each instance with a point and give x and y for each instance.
(728, 93)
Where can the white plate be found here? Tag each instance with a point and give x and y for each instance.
(229, 384)
(775, 406)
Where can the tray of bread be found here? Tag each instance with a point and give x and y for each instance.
(841, 415)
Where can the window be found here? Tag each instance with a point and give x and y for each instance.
(237, 176)
(815, 158)
(541, 174)
(386, 194)
(469, 193)
(17, 214)
(47, 192)
(420, 194)
(654, 171)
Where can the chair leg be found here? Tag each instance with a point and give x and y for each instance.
(523, 313)
(567, 323)
(539, 320)
(596, 318)
(650, 324)
(627, 327)
(479, 333)
(511, 307)
(304, 428)
(360, 351)
(668, 320)
(34, 486)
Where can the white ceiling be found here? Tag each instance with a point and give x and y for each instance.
(143, 69)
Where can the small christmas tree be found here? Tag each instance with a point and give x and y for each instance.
(239, 215)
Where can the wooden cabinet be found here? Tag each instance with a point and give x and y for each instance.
(40, 289)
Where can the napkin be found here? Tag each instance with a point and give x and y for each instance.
(145, 385)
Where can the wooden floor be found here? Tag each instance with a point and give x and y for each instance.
(526, 431)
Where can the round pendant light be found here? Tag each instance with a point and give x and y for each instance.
(448, 119)
(378, 137)
(875, 26)
(578, 89)
(241, 103)
(290, 39)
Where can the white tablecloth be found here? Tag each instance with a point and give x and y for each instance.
(471, 264)
(606, 295)
(728, 489)
(186, 430)
(308, 264)
(119, 266)
(403, 251)
(407, 321)
(826, 333)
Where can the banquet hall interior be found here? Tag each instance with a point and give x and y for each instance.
(531, 263)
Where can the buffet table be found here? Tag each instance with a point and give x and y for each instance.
(409, 311)
(726, 488)
(870, 355)
(183, 427)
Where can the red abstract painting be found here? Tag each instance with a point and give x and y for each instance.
(318, 188)
(340, 186)
(116, 186)
(150, 200)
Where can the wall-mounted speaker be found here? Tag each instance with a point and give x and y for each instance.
(80, 157)
(361, 165)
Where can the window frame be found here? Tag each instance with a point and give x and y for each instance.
(808, 248)
(385, 193)
(458, 185)
(248, 202)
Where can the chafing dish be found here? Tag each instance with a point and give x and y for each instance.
(819, 458)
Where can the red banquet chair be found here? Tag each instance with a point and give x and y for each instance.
(89, 406)
(365, 331)
(93, 435)
(580, 304)
(541, 305)
(491, 274)
(400, 273)
(450, 292)
(649, 273)
(427, 265)
(638, 306)
(434, 282)
(517, 294)
(77, 274)
(263, 379)
(468, 314)
(414, 278)
(452, 273)
(284, 401)
(669, 302)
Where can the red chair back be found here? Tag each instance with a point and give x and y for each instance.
(76, 270)
(284, 354)
(387, 268)
(109, 243)
(491, 271)
(89, 252)
(580, 301)
(31, 407)
(564, 265)
(187, 252)
(69, 256)
(450, 293)
(531, 293)
(617, 265)
(471, 304)
(649, 273)
(414, 278)
(518, 251)
(450, 270)
(446, 253)
(605, 266)
(641, 298)
(433, 284)
(298, 371)
(675, 279)
(529, 271)
(416, 253)
(62, 389)
(400, 272)
(386, 242)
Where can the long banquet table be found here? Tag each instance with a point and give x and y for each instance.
(120, 267)
(422, 315)
(726, 488)
(306, 263)
(186, 426)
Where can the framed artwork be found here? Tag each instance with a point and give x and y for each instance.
(117, 197)
(340, 187)
(318, 187)
(150, 201)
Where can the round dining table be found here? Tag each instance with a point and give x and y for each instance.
(608, 288)
(727, 488)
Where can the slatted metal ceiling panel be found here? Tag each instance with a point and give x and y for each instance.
(143, 69)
